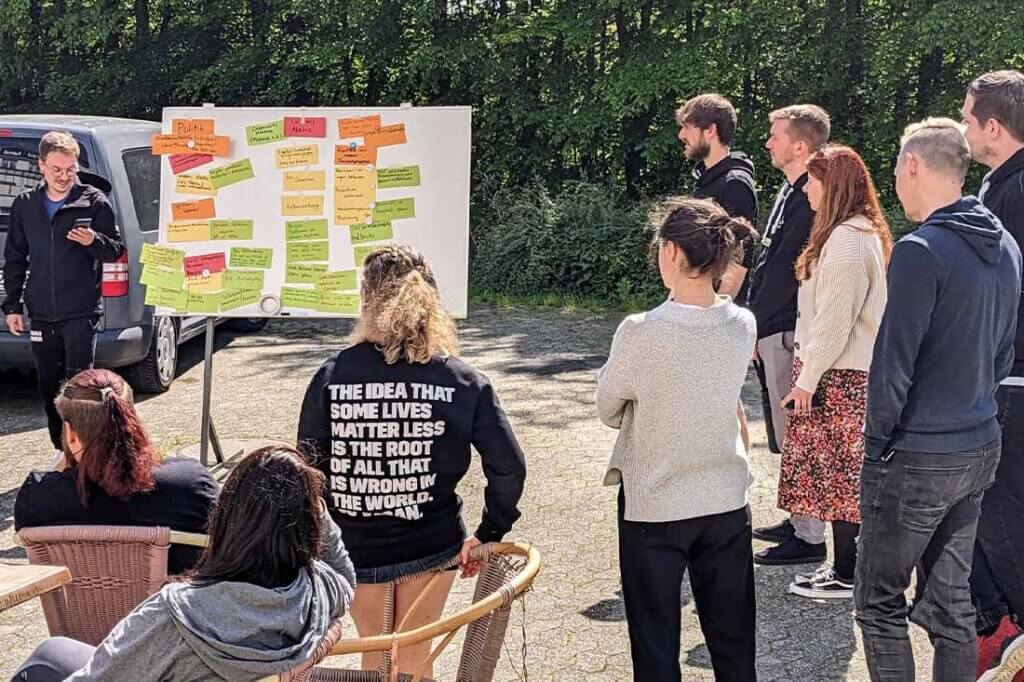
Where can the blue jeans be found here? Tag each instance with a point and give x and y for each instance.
(920, 510)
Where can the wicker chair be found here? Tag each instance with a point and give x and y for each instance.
(113, 569)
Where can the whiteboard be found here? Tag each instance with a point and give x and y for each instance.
(268, 212)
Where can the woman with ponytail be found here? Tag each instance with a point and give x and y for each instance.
(671, 386)
(390, 420)
(110, 473)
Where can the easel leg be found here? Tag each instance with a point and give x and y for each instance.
(209, 433)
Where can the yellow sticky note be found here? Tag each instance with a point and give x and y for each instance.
(197, 284)
(189, 231)
(304, 181)
(194, 184)
(302, 205)
(289, 157)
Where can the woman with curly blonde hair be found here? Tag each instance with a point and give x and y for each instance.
(391, 420)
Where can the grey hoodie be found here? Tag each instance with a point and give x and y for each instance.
(228, 630)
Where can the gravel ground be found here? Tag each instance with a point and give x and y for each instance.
(543, 364)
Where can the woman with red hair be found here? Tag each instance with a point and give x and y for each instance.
(111, 474)
(842, 296)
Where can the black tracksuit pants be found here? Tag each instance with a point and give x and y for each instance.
(652, 560)
(61, 350)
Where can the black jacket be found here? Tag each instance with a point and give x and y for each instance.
(773, 285)
(1004, 196)
(946, 338)
(64, 282)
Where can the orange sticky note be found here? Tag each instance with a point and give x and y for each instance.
(343, 154)
(192, 126)
(193, 210)
(386, 136)
(215, 145)
(357, 127)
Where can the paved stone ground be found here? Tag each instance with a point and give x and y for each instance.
(543, 364)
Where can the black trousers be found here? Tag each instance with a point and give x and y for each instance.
(652, 560)
(61, 350)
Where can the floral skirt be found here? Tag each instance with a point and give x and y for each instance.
(824, 450)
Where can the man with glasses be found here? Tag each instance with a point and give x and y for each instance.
(62, 231)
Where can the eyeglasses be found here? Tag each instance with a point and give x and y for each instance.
(63, 172)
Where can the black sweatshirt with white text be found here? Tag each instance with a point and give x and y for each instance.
(393, 442)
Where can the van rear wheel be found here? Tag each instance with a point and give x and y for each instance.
(155, 373)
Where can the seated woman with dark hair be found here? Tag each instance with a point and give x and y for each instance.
(111, 474)
(261, 599)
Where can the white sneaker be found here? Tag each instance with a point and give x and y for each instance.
(805, 578)
(824, 586)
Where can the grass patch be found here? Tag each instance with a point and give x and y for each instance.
(566, 302)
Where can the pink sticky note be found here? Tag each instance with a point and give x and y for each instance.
(296, 126)
(210, 262)
(183, 162)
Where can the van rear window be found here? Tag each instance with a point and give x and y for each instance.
(143, 171)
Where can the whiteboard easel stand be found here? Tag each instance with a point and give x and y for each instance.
(209, 432)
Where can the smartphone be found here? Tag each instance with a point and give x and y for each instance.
(816, 402)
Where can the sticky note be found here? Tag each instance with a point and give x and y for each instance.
(193, 210)
(386, 136)
(216, 145)
(374, 232)
(161, 256)
(248, 257)
(303, 273)
(296, 126)
(162, 278)
(204, 284)
(355, 191)
(399, 176)
(202, 302)
(334, 302)
(192, 126)
(236, 298)
(194, 184)
(306, 251)
(166, 298)
(394, 209)
(293, 297)
(304, 181)
(302, 205)
(207, 262)
(352, 216)
(183, 162)
(358, 126)
(355, 156)
(289, 157)
(230, 229)
(338, 280)
(242, 279)
(304, 230)
(262, 133)
(361, 252)
(222, 176)
(189, 231)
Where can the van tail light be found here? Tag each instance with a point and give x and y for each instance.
(115, 277)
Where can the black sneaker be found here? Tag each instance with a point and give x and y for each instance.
(792, 551)
(805, 578)
(777, 533)
(826, 585)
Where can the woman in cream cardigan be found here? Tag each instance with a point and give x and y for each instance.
(839, 307)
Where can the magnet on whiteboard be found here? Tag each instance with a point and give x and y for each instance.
(369, 168)
(270, 304)
(190, 144)
(369, 219)
(206, 273)
(373, 204)
(352, 145)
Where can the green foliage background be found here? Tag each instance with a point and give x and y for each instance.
(573, 100)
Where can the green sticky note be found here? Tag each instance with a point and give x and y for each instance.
(333, 302)
(163, 257)
(303, 273)
(361, 252)
(203, 303)
(162, 278)
(245, 257)
(304, 230)
(222, 176)
(230, 229)
(376, 232)
(293, 297)
(394, 209)
(242, 279)
(262, 133)
(339, 280)
(165, 298)
(400, 176)
(236, 298)
(306, 251)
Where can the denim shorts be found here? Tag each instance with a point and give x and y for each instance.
(387, 574)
